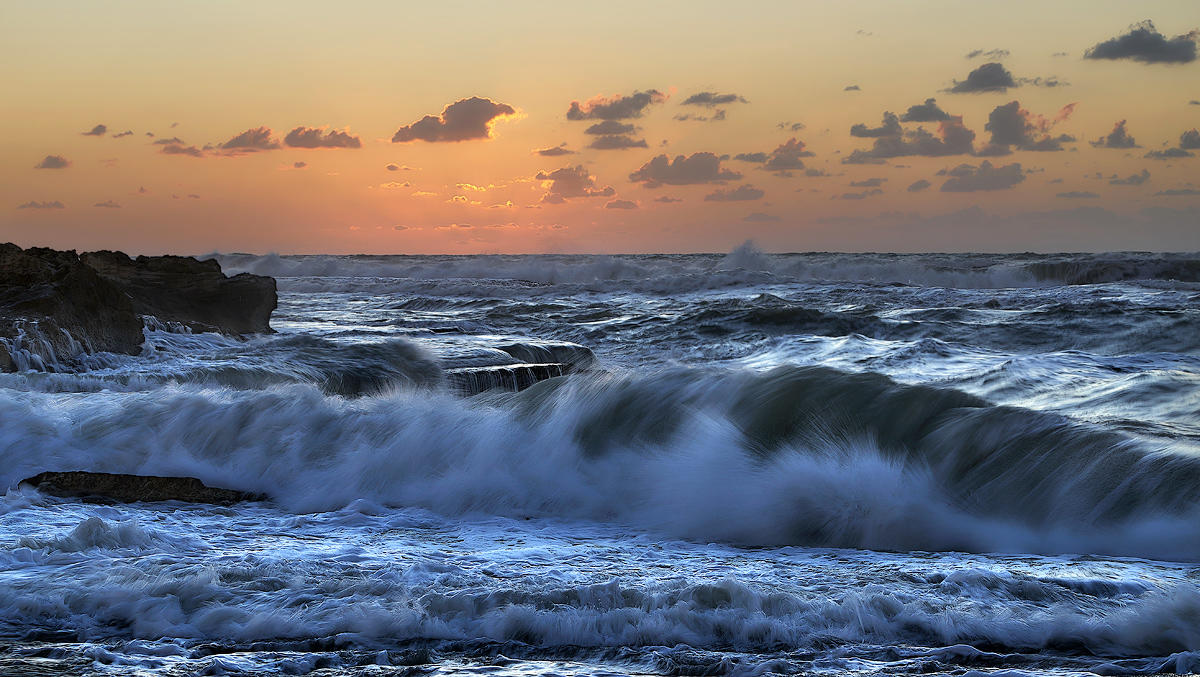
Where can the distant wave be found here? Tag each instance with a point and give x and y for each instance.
(797, 455)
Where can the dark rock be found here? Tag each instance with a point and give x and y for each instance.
(190, 292)
(134, 488)
(55, 305)
(469, 381)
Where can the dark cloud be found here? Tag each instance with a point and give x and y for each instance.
(990, 77)
(463, 120)
(180, 149)
(868, 183)
(1168, 154)
(36, 204)
(393, 167)
(299, 165)
(98, 130)
(107, 204)
(127, 132)
(969, 178)
(616, 107)
(163, 142)
(751, 157)
(683, 170)
(851, 88)
(791, 126)
(890, 126)
(1132, 179)
(1118, 138)
(606, 127)
(620, 204)
(317, 137)
(667, 199)
(554, 151)
(786, 156)
(1194, 102)
(251, 141)
(1177, 192)
(918, 186)
(742, 193)
(710, 99)
(995, 54)
(1190, 140)
(925, 112)
(571, 182)
(862, 195)
(616, 142)
(760, 217)
(717, 116)
(1012, 125)
(952, 138)
(53, 162)
(1145, 44)
(1077, 195)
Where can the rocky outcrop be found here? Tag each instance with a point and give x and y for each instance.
(134, 488)
(56, 305)
(195, 294)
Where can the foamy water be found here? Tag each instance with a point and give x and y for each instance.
(784, 463)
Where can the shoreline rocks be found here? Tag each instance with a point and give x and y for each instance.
(134, 488)
(56, 305)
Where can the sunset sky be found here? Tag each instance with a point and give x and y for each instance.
(453, 127)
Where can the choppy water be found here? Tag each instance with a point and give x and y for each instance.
(778, 463)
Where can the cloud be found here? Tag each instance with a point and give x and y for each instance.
(988, 54)
(554, 151)
(925, 112)
(615, 107)
(1012, 125)
(98, 130)
(1118, 138)
(717, 116)
(1077, 194)
(751, 157)
(35, 204)
(1144, 43)
(868, 183)
(683, 170)
(786, 157)
(667, 199)
(1168, 154)
(711, 99)
(620, 204)
(1132, 179)
(571, 182)
(791, 126)
(606, 127)
(299, 165)
(1190, 140)
(53, 162)
(968, 178)
(127, 132)
(1177, 192)
(862, 195)
(251, 141)
(742, 193)
(760, 217)
(918, 186)
(180, 149)
(889, 127)
(952, 138)
(463, 120)
(107, 204)
(163, 142)
(312, 137)
(393, 167)
(990, 77)
(851, 88)
(615, 142)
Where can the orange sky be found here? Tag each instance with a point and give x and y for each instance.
(189, 80)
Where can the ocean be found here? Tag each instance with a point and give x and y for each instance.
(762, 463)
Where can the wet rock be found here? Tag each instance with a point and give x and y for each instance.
(134, 488)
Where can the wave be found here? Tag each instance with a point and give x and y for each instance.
(797, 455)
(746, 265)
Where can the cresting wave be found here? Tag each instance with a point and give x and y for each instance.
(745, 265)
(797, 455)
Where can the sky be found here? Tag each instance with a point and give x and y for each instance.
(531, 127)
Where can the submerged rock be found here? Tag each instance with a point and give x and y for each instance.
(57, 305)
(134, 488)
